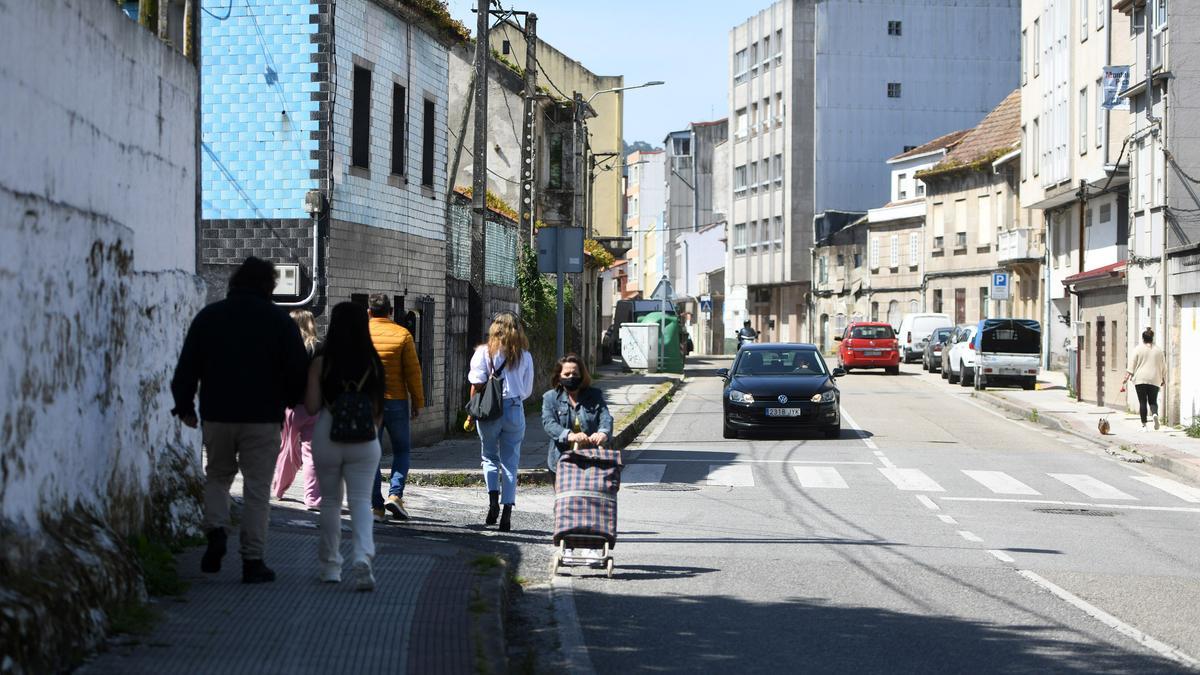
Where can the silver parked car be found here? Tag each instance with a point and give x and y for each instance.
(931, 361)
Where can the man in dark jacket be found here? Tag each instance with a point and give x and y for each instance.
(248, 358)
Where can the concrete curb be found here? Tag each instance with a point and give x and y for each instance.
(1160, 460)
(628, 428)
(488, 626)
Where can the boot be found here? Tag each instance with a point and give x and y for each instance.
(506, 518)
(256, 572)
(211, 562)
(493, 507)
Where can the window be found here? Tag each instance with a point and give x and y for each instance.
(754, 55)
(894, 254)
(913, 307)
(1112, 352)
(914, 249)
(1083, 19)
(1037, 47)
(822, 270)
(1024, 56)
(960, 217)
(742, 127)
(985, 220)
(1101, 115)
(427, 143)
(960, 240)
(1101, 7)
(894, 28)
(920, 189)
(874, 253)
(778, 231)
(1034, 158)
(739, 179)
(779, 108)
(857, 260)
(681, 147)
(554, 180)
(983, 302)
(779, 42)
(506, 47)
(893, 90)
(874, 311)
(937, 301)
(753, 117)
(766, 171)
(1024, 147)
(939, 224)
(1083, 120)
(841, 260)
(777, 169)
(753, 175)
(1160, 13)
(399, 119)
(360, 119)
(741, 64)
(901, 193)
(739, 238)
(766, 49)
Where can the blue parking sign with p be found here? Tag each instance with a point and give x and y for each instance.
(1000, 279)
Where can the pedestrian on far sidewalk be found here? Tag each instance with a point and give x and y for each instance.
(404, 396)
(574, 413)
(347, 378)
(295, 447)
(246, 357)
(505, 355)
(1148, 370)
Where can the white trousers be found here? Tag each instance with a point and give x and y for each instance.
(357, 466)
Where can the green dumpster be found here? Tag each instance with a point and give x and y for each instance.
(672, 355)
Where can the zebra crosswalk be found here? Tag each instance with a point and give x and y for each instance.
(818, 478)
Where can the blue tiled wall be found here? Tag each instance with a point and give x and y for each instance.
(256, 65)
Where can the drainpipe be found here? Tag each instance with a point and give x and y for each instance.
(1048, 280)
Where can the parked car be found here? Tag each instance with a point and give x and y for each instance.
(869, 345)
(780, 387)
(958, 359)
(931, 358)
(1008, 351)
(915, 330)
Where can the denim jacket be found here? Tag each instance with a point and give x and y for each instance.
(557, 418)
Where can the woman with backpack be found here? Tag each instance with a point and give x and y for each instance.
(345, 391)
(506, 357)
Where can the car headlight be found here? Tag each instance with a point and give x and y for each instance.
(740, 396)
(824, 397)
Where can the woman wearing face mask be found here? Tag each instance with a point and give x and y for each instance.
(574, 413)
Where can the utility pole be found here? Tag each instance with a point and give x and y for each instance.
(528, 213)
(560, 329)
(479, 168)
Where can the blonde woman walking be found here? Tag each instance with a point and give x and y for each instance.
(295, 447)
(505, 354)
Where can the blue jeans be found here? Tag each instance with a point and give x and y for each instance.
(395, 424)
(501, 449)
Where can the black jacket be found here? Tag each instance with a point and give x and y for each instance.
(247, 357)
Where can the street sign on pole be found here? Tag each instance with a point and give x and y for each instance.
(560, 252)
(1000, 286)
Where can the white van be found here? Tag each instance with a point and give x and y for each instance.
(914, 332)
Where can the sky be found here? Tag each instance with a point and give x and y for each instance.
(683, 43)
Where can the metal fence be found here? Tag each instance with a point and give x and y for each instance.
(500, 249)
(458, 249)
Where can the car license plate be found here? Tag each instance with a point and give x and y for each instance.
(1010, 371)
(785, 412)
(873, 352)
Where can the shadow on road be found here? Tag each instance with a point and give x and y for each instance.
(713, 633)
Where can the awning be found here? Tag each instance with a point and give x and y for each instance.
(1114, 270)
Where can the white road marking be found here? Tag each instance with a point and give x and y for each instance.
(887, 463)
(1185, 492)
(949, 520)
(1001, 556)
(733, 475)
(820, 477)
(928, 503)
(1091, 486)
(911, 479)
(1000, 483)
(1056, 502)
(969, 536)
(1162, 648)
(643, 473)
(854, 425)
(765, 461)
(570, 635)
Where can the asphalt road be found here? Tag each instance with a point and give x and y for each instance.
(936, 535)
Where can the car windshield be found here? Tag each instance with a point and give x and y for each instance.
(872, 332)
(780, 361)
(941, 335)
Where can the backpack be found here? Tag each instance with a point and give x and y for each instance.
(488, 403)
(352, 414)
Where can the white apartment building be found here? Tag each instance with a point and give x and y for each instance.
(1075, 169)
(645, 195)
(821, 94)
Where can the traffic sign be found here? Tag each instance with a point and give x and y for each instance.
(1000, 287)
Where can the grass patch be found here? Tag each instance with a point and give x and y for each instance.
(158, 566)
(1033, 415)
(659, 392)
(133, 618)
(1193, 430)
(486, 563)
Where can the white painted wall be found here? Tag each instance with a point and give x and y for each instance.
(700, 252)
(97, 232)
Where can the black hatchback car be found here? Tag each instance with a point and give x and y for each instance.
(781, 387)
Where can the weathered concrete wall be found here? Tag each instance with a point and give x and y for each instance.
(97, 284)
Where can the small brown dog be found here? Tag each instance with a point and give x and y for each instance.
(1103, 426)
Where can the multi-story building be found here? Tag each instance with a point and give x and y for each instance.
(821, 93)
(971, 196)
(333, 167)
(1074, 170)
(840, 279)
(644, 206)
(1163, 193)
(895, 234)
(689, 187)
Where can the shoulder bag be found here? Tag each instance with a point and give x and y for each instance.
(487, 403)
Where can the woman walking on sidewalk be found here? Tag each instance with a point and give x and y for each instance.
(506, 354)
(574, 412)
(346, 378)
(295, 447)
(1148, 370)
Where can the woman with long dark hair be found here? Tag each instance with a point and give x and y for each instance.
(348, 364)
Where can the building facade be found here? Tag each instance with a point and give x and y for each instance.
(840, 282)
(644, 221)
(821, 94)
(689, 185)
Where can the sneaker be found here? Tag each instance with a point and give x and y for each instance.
(364, 580)
(331, 574)
(1156, 422)
(256, 572)
(395, 506)
(211, 562)
(380, 515)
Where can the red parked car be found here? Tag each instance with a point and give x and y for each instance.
(869, 344)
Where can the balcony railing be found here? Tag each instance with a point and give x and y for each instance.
(1016, 245)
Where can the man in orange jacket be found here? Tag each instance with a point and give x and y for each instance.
(404, 396)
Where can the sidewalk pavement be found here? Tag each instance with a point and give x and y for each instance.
(633, 399)
(1168, 449)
